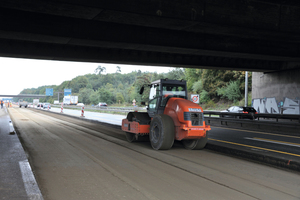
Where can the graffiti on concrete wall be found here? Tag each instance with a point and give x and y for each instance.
(270, 105)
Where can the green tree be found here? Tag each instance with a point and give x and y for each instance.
(141, 81)
(89, 86)
(206, 82)
(214, 79)
(120, 98)
(99, 70)
(64, 85)
(118, 69)
(204, 96)
(198, 87)
(133, 94)
(94, 97)
(78, 83)
(176, 74)
(191, 76)
(120, 87)
(84, 95)
(156, 76)
(105, 95)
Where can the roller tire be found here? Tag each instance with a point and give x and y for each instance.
(195, 144)
(130, 137)
(162, 132)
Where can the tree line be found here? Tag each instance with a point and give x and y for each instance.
(118, 88)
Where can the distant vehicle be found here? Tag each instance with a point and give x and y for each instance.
(30, 105)
(56, 102)
(70, 100)
(46, 105)
(23, 103)
(36, 101)
(101, 104)
(39, 105)
(246, 112)
(80, 104)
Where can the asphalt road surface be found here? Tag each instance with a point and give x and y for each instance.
(77, 159)
(276, 145)
(108, 118)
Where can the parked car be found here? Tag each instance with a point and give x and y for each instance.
(246, 112)
(101, 104)
(46, 105)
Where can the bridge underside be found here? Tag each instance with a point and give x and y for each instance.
(253, 35)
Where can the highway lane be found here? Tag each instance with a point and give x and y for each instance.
(76, 159)
(103, 117)
(281, 146)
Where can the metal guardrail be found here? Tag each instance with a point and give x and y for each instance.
(279, 116)
(103, 108)
(275, 123)
(259, 116)
(276, 117)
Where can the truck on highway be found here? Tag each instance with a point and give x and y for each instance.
(70, 100)
(23, 103)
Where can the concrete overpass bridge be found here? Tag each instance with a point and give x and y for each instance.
(254, 35)
(22, 95)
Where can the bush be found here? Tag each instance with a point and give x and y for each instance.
(210, 104)
(197, 86)
(242, 101)
(231, 91)
(204, 96)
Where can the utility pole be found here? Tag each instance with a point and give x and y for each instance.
(58, 94)
(246, 88)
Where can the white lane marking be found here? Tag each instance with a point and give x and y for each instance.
(272, 141)
(11, 127)
(31, 187)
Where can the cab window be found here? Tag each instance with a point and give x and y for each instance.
(176, 90)
(152, 104)
(154, 92)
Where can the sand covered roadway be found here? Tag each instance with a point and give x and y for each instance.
(76, 159)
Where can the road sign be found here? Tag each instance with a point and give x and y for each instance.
(49, 91)
(7, 99)
(67, 92)
(36, 101)
(195, 98)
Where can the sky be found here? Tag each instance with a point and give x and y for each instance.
(17, 74)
